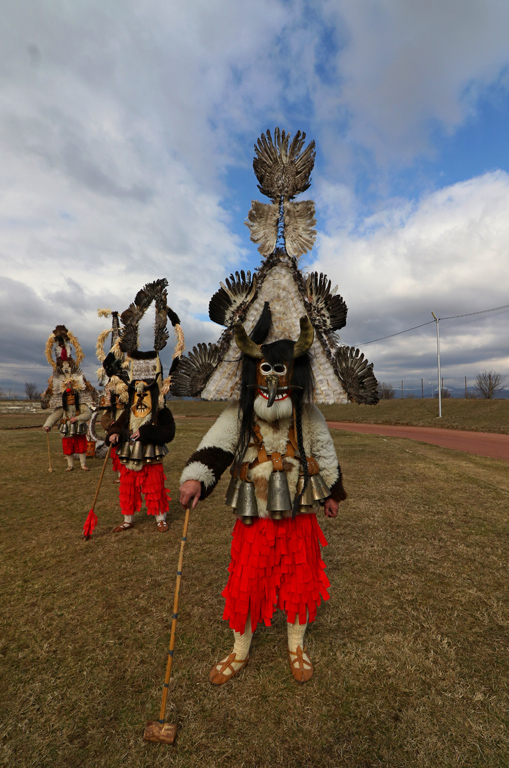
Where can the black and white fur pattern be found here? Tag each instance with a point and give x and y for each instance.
(216, 450)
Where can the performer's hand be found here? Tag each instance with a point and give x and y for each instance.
(331, 508)
(135, 435)
(47, 429)
(114, 438)
(190, 492)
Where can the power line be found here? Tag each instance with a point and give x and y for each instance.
(469, 314)
(415, 327)
(395, 334)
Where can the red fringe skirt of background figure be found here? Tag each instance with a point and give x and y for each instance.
(275, 564)
(149, 481)
(72, 445)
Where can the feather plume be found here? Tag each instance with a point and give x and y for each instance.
(193, 371)
(228, 303)
(103, 312)
(299, 232)
(328, 307)
(356, 375)
(136, 310)
(262, 221)
(283, 169)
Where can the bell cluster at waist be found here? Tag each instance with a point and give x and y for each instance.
(73, 428)
(137, 451)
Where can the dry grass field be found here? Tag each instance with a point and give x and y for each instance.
(472, 415)
(410, 652)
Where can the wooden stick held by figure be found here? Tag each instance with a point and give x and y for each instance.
(158, 730)
(91, 521)
(49, 454)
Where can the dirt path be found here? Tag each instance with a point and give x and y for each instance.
(481, 443)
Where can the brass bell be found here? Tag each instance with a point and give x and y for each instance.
(278, 496)
(319, 488)
(137, 451)
(125, 452)
(308, 498)
(232, 494)
(150, 453)
(73, 429)
(160, 451)
(64, 429)
(246, 502)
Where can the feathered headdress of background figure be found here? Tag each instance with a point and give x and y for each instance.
(283, 230)
(114, 384)
(146, 365)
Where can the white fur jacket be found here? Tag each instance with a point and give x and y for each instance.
(58, 414)
(216, 451)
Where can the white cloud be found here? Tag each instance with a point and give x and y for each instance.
(449, 253)
(118, 120)
(408, 65)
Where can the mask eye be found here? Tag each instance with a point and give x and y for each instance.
(265, 368)
(280, 369)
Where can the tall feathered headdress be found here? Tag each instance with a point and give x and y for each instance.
(146, 365)
(283, 230)
(66, 369)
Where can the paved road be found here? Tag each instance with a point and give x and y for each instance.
(481, 443)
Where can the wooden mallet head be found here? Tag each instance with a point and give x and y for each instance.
(163, 733)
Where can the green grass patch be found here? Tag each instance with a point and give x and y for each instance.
(410, 652)
(471, 415)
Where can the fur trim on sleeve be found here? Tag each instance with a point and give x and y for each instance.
(198, 471)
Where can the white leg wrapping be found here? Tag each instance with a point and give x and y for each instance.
(161, 517)
(128, 518)
(70, 460)
(241, 646)
(83, 459)
(296, 634)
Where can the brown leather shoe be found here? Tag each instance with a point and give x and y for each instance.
(123, 527)
(162, 527)
(302, 669)
(217, 676)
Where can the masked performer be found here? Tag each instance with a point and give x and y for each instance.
(115, 395)
(284, 468)
(146, 425)
(69, 394)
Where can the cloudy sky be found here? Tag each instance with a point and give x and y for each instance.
(126, 146)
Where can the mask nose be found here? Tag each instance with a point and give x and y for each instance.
(272, 385)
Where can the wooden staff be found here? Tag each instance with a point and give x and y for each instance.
(49, 453)
(160, 731)
(91, 520)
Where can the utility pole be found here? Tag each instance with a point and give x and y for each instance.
(437, 321)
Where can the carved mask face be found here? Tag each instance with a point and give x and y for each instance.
(142, 400)
(273, 381)
(70, 397)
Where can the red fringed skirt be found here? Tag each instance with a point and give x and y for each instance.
(76, 444)
(275, 564)
(114, 459)
(150, 481)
